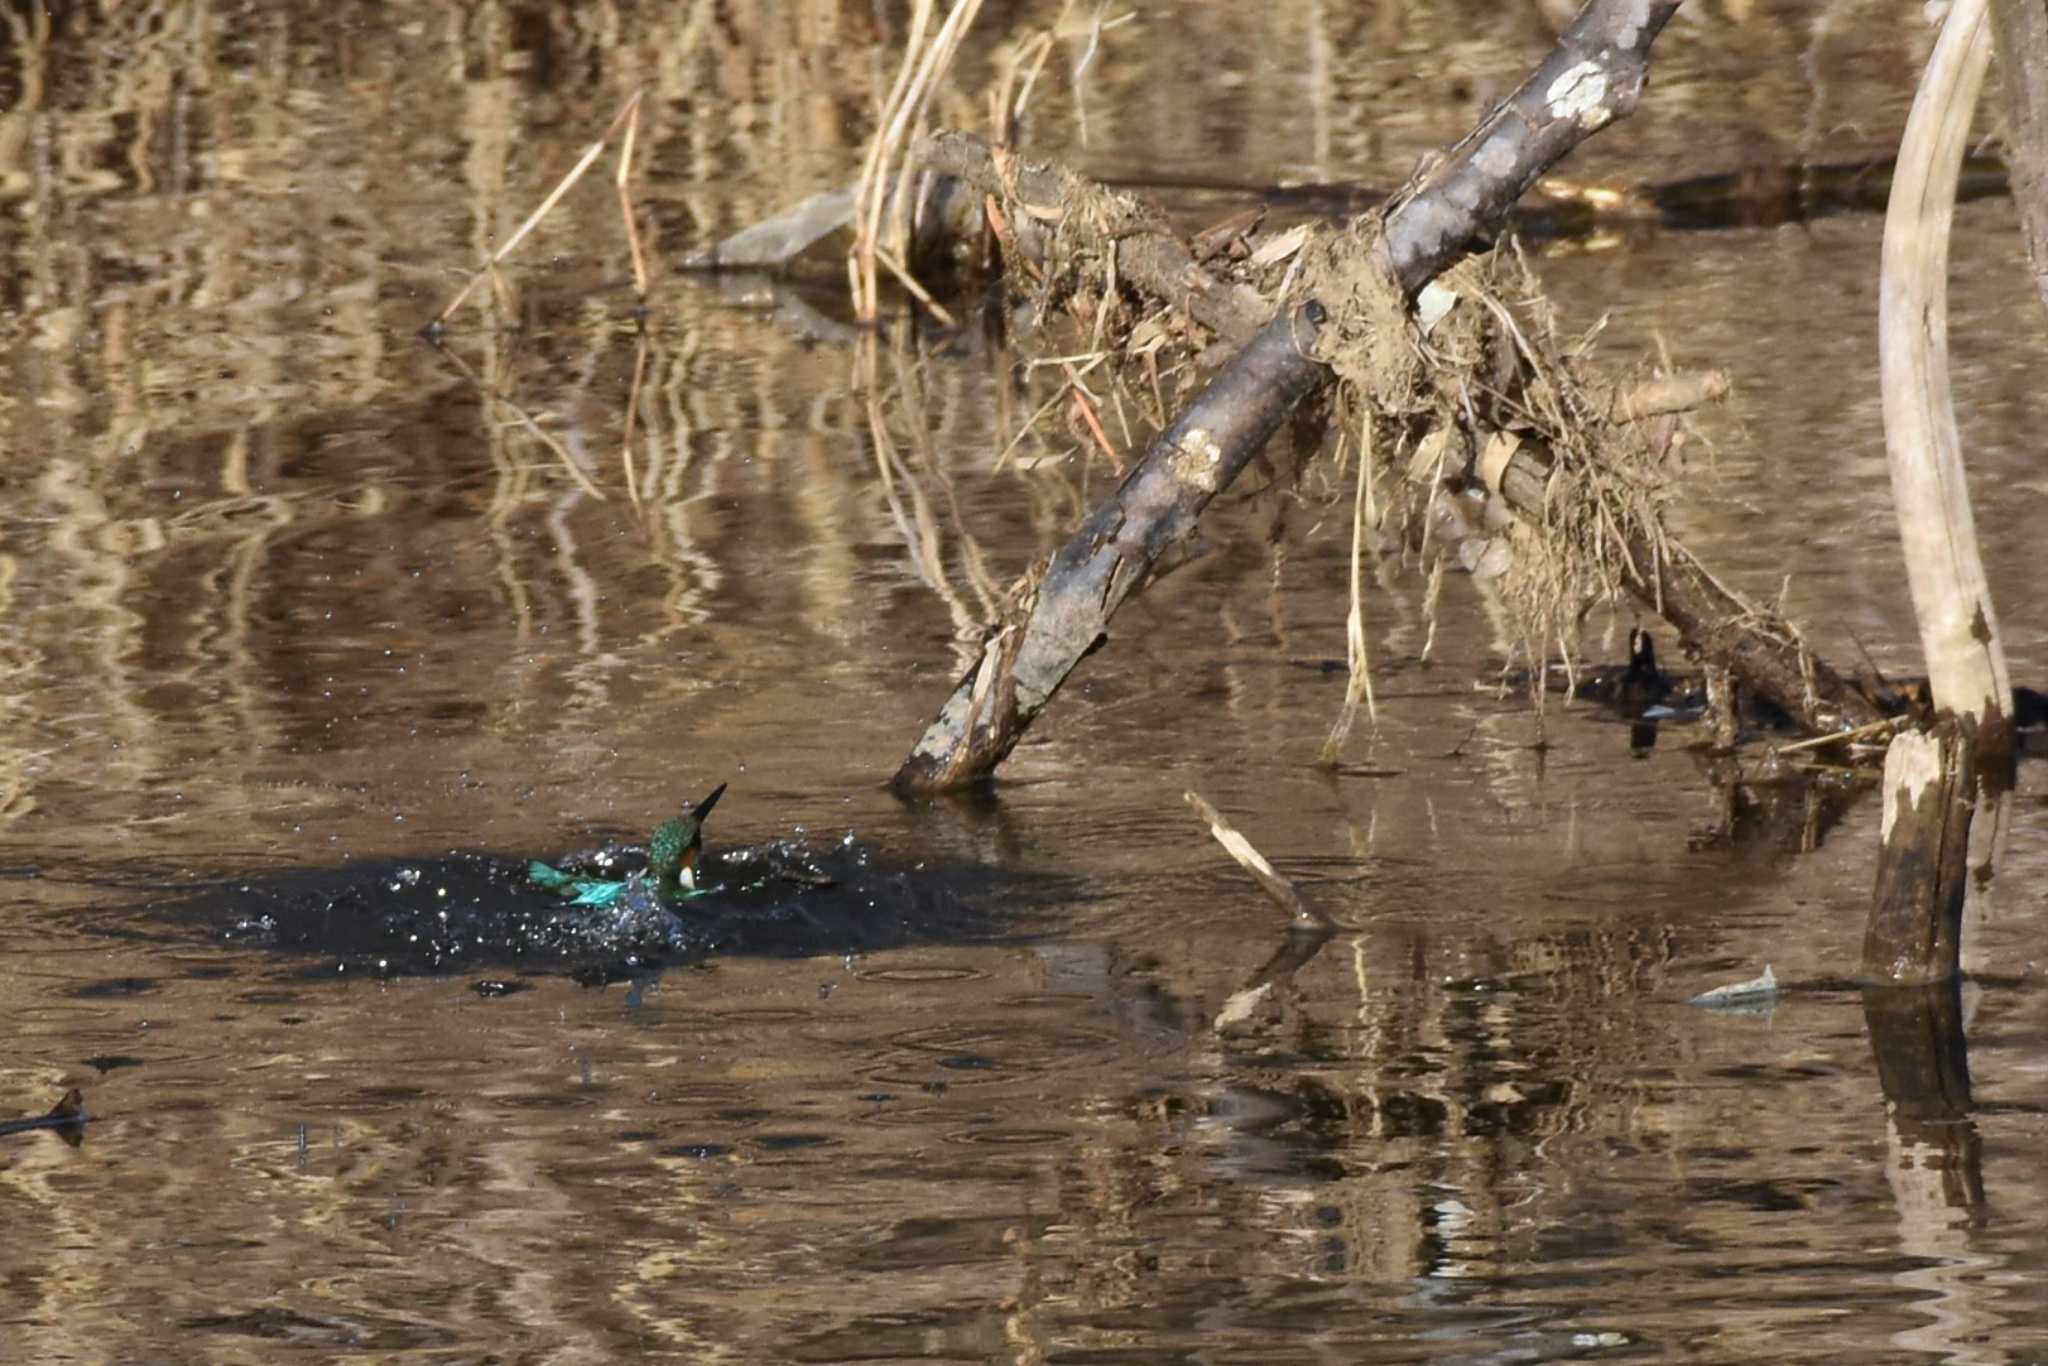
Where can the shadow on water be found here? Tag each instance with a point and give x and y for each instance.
(469, 910)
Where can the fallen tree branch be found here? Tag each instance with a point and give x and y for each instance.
(1761, 650)
(1025, 661)
(1594, 75)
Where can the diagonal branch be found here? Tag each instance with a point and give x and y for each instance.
(1592, 77)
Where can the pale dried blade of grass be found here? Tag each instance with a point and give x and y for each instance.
(533, 219)
(1359, 684)
(626, 200)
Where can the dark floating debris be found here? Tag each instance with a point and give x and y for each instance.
(66, 1119)
(104, 1063)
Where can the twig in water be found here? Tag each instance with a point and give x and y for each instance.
(1252, 861)
(1843, 737)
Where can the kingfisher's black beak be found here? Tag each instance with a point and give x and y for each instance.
(704, 807)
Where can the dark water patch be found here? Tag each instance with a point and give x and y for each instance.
(104, 1063)
(1048, 1000)
(108, 988)
(789, 1143)
(696, 1152)
(360, 1332)
(909, 1117)
(469, 909)
(550, 1100)
(1764, 1197)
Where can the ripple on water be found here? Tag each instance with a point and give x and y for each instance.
(927, 972)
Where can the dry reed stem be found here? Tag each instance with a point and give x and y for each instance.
(867, 204)
(1869, 732)
(885, 164)
(1252, 861)
(1360, 682)
(626, 200)
(630, 113)
(903, 277)
(1084, 404)
(1031, 423)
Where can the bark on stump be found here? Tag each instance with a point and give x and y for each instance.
(1916, 913)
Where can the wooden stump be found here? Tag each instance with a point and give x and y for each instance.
(1923, 1061)
(1916, 912)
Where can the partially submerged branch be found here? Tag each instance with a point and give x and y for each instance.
(1234, 843)
(1062, 618)
(1593, 77)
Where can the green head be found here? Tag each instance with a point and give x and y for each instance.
(672, 853)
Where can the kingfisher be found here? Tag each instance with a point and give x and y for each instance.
(670, 876)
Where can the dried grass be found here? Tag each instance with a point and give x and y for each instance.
(628, 117)
(886, 176)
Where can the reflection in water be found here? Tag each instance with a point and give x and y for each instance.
(285, 592)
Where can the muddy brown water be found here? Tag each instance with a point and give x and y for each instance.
(280, 594)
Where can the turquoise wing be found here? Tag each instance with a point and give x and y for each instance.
(590, 892)
(581, 891)
(541, 875)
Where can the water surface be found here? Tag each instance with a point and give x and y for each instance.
(280, 590)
